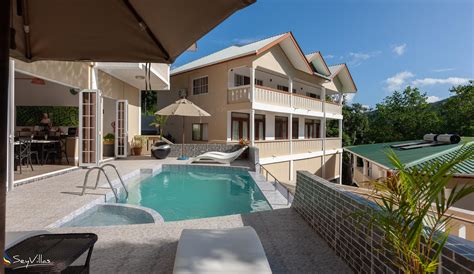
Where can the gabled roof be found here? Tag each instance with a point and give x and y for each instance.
(377, 153)
(341, 72)
(226, 54)
(285, 40)
(319, 65)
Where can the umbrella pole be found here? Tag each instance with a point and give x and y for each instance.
(4, 77)
(182, 143)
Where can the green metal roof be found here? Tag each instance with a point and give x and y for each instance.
(378, 153)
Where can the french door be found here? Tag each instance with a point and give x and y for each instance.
(90, 110)
(121, 128)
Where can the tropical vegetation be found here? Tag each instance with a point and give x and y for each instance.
(413, 211)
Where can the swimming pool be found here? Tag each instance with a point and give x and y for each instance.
(181, 192)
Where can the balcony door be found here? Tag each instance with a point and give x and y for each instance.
(240, 126)
(89, 127)
(121, 128)
(259, 127)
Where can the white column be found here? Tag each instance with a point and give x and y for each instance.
(252, 127)
(339, 180)
(341, 97)
(290, 90)
(301, 127)
(323, 131)
(364, 167)
(252, 85)
(340, 128)
(229, 126)
(290, 132)
(11, 127)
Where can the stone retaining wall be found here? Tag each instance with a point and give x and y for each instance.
(193, 150)
(327, 208)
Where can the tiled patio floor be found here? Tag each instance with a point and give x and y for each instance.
(290, 244)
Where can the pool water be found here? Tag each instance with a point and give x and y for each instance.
(108, 214)
(191, 192)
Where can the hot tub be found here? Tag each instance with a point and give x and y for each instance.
(114, 214)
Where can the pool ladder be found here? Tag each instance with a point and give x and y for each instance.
(101, 169)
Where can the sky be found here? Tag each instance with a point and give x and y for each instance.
(387, 44)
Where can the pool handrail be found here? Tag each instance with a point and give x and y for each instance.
(275, 182)
(101, 169)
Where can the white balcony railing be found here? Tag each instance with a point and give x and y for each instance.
(269, 96)
(307, 145)
(276, 148)
(273, 148)
(303, 102)
(238, 95)
(333, 143)
(272, 97)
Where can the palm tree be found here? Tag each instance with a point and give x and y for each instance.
(413, 210)
(159, 123)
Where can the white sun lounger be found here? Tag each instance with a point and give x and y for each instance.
(220, 157)
(235, 250)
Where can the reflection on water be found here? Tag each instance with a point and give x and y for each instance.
(195, 193)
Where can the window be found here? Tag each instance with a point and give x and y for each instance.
(295, 128)
(312, 95)
(311, 128)
(240, 126)
(199, 132)
(200, 85)
(259, 127)
(281, 87)
(241, 80)
(281, 127)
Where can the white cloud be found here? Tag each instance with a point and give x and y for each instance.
(432, 99)
(440, 81)
(349, 97)
(400, 49)
(443, 69)
(366, 107)
(329, 56)
(357, 58)
(399, 80)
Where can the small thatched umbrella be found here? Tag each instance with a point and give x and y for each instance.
(183, 107)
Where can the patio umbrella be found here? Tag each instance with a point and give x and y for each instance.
(106, 30)
(182, 107)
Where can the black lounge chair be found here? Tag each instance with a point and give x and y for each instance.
(50, 253)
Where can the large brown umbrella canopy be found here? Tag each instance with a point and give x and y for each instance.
(154, 31)
(184, 108)
(147, 31)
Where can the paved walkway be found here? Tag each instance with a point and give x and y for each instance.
(290, 244)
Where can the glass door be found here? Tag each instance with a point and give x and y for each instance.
(89, 127)
(121, 129)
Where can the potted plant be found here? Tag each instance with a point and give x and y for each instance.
(242, 143)
(159, 123)
(137, 145)
(108, 145)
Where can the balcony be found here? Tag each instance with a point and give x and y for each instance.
(274, 148)
(273, 97)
